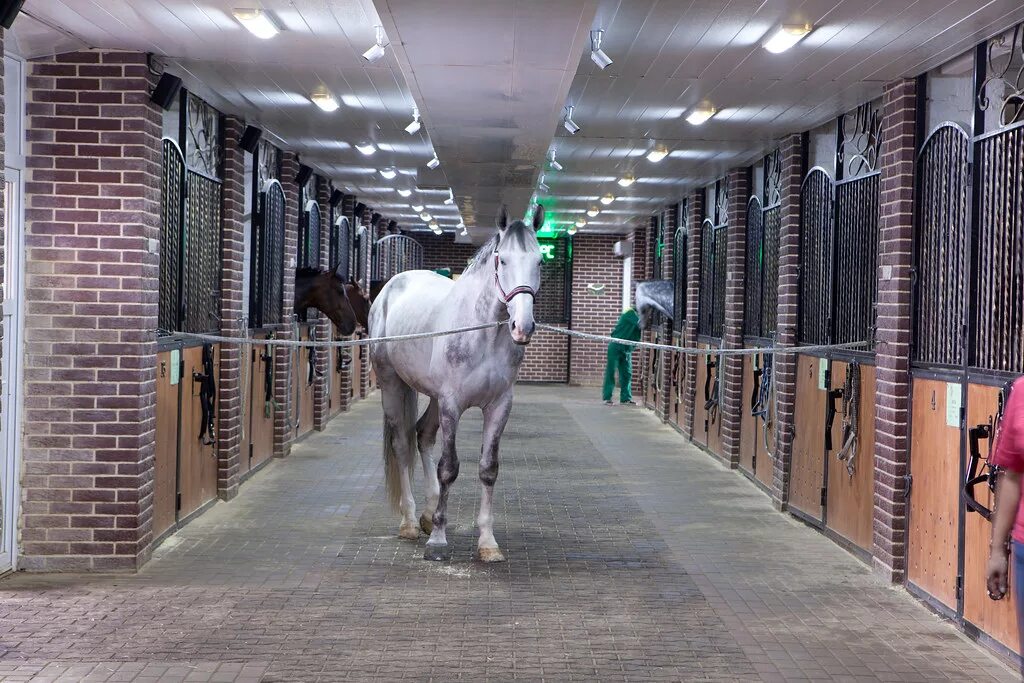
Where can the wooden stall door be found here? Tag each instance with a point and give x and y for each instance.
(198, 482)
(749, 425)
(700, 414)
(357, 372)
(808, 467)
(165, 483)
(303, 417)
(764, 468)
(678, 375)
(336, 374)
(932, 546)
(996, 618)
(261, 417)
(851, 496)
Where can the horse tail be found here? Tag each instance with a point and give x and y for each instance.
(402, 426)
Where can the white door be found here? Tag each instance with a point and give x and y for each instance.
(10, 364)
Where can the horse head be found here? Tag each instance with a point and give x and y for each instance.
(344, 303)
(517, 261)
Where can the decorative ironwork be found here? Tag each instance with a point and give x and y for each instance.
(364, 254)
(657, 241)
(755, 269)
(816, 235)
(997, 341)
(268, 164)
(860, 141)
(309, 255)
(711, 321)
(680, 260)
(855, 293)
(941, 247)
(202, 137)
(202, 255)
(1007, 75)
(721, 249)
(773, 178)
(772, 219)
(395, 254)
(341, 247)
(267, 281)
(172, 188)
(721, 202)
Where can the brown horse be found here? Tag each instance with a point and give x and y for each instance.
(345, 303)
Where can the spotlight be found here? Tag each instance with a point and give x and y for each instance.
(597, 55)
(434, 163)
(379, 47)
(417, 208)
(555, 166)
(451, 198)
(608, 199)
(542, 186)
(462, 226)
(388, 173)
(580, 222)
(404, 192)
(572, 230)
(593, 211)
(657, 154)
(415, 126)
(700, 115)
(786, 37)
(257, 22)
(366, 148)
(568, 123)
(626, 180)
(434, 226)
(323, 98)
(424, 216)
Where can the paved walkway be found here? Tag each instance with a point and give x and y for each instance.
(631, 557)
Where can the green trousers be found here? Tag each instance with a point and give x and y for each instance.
(619, 358)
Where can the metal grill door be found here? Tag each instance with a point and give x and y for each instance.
(172, 185)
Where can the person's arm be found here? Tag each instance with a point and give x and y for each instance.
(1007, 501)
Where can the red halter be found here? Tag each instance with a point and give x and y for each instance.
(521, 289)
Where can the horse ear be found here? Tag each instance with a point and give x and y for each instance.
(334, 269)
(538, 217)
(502, 218)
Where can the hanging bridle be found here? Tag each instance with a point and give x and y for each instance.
(521, 289)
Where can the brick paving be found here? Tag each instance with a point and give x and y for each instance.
(631, 557)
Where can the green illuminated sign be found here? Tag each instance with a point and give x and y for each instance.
(547, 251)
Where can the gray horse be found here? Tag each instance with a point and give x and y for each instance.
(654, 296)
(457, 372)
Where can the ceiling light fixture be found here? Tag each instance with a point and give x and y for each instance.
(700, 115)
(434, 163)
(366, 148)
(597, 55)
(626, 180)
(415, 126)
(786, 37)
(257, 22)
(451, 198)
(378, 49)
(323, 98)
(464, 231)
(542, 186)
(424, 216)
(388, 173)
(404, 192)
(554, 164)
(417, 207)
(434, 226)
(568, 123)
(572, 230)
(580, 222)
(657, 154)
(593, 211)
(608, 199)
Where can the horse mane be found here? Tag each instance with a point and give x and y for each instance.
(484, 252)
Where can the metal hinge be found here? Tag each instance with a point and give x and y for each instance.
(824, 495)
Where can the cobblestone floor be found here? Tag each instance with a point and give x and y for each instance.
(631, 557)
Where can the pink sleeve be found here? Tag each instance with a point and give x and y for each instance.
(1009, 450)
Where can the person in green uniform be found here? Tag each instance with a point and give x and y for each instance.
(620, 357)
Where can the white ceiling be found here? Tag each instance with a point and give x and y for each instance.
(491, 78)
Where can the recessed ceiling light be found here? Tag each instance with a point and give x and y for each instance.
(323, 98)
(388, 173)
(597, 55)
(580, 222)
(417, 208)
(379, 47)
(572, 230)
(626, 180)
(568, 123)
(434, 163)
(404, 191)
(593, 211)
(366, 148)
(700, 115)
(657, 154)
(786, 37)
(608, 199)
(434, 226)
(257, 22)
(415, 126)
(424, 216)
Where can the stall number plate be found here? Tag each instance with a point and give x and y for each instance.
(953, 397)
(175, 366)
(822, 373)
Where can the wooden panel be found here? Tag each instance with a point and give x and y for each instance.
(996, 618)
(808, 468)
(198, 482)
(749, 425)
(165, 483)
(677, 378)
(851, 497)
(303, 416)
(764, 467)
(336, 377)
(699, 413)
(932, 546)
(357, 372)
(261, 424)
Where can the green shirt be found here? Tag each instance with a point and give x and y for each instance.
(628, 326)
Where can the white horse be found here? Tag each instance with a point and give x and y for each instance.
(470, 369)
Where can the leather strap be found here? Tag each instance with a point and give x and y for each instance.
(521, 289)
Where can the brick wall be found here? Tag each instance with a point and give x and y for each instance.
(441, 251)
(732, 333)
(693, 261)
(284, 387)
(593, 263)
(93, 212)
(793, 152)
(892, 393)
(323, 327)
(232, 240)
(665, 334)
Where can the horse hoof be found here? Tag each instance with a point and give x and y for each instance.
(490, 555)
(426, 523)
(409, 532)
(437, 552)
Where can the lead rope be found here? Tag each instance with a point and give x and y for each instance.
(207, 396)
(851, 416)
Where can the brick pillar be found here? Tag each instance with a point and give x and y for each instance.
(364, 356)
(232, 239)
(284, 382)
(324, 327)
(92, 220)
(347, 207)
(668, 235)
(641, 272)
(895, 261)
(793, 167)
(732, 333)
(693, 266)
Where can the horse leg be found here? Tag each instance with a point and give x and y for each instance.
(495, 417)
(447, 473)
(426, 437)
(399, 402)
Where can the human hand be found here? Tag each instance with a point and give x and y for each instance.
(998, 564)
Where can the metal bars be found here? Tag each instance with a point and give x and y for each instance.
(265, 304)
(341, 247)
(395, 254)
(816, 234)
(754, 289)
(772, 219)
(201, 249)
(309, 237)
(680, 254)
(855, 296)
(172, 184)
